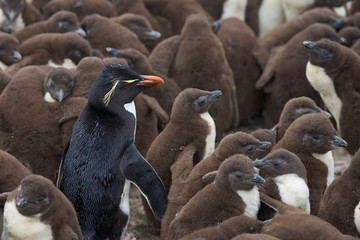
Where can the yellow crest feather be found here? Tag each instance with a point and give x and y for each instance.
(108, 96)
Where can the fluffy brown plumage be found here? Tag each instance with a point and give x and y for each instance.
(81, 8)
(185, 58)
(297, 225)
(282, 34)
(117, 36)
(56, 49)
(293, 109)
(236, 37)
(312, 137)
(341, 199)
(236, 143)
(333, 71)
(228, 229)
(221, 200)
(60, 22)
(45, 206)
(285, 78)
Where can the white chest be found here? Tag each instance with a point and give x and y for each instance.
(357, 217)
(251, 199)
(210, 138)
(48, 98)
(125, 203)
(294, 191)
(234, 8)
(322, 83)
(130, 107)
(293, 8)
(270, 16)
(68, 64)
(17, 25)
(328, 160)
(3, 66)
(19, 227)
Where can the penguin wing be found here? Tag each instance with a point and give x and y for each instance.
(162, 57)
(138, 171)
(153, 104)
(270, 68)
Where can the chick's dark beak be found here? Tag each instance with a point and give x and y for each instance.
(215, 95)
(22, 203)
(338, 142)
(259, 163)
(258, 179)
(309, 45)
(264, 145)
(151, 81)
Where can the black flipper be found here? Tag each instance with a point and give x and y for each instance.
(137, 170)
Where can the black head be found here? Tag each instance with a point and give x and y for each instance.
(9, 49)
(118, 85)
(237, 173)
(59, 84)
(280, 162)
(192, 102)
(12, 8)
(65, 21)
(34, 195)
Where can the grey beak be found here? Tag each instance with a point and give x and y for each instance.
(264, 145)
(259, 163)
(22, 203)
(153, 34)
(16, 56)
(309, 45)
(12, 15)
(112, 51)
(326, 113)
(258, 179)
(215, 95)
(60, 95)
(80, 31)
(338, 142)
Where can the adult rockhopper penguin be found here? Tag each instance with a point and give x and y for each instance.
(102, 159)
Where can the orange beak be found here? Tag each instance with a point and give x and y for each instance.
(151, 81)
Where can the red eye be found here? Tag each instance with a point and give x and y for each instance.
(126, 86)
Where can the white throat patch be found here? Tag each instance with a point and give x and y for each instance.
(234, 8)
(322, 83)
(328, 159)
(270, 16)
(68, 64)
(357, 217)
(294, 191)
(251, 199)
(18, 24)
(210, 139)
(49, 98)
(17, 226)
(3, 66)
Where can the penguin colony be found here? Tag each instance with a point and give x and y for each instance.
(223, 114)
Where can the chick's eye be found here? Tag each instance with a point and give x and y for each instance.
(249, 149)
